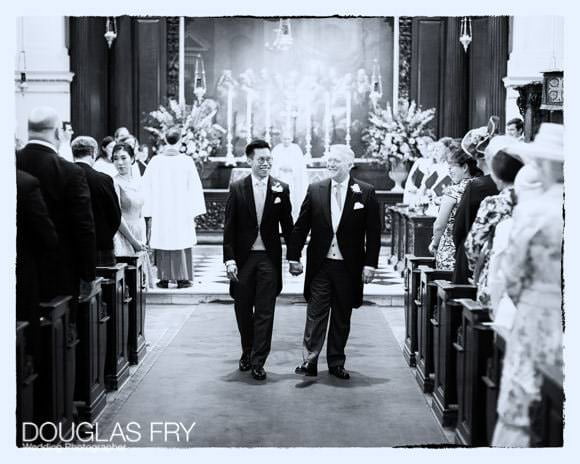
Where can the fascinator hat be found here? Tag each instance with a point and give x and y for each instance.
(476, 140)
(548, 144)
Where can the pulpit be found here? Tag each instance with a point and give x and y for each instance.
(53, 394)
(117, 299)
(419, 234)
(411, 283)
(25, 379)
(474, 346)
(446, 322)
(425, 309)
(136, 281)
(90, 370)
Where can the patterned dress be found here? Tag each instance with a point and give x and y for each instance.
(533, 269)
(478, 245)
(445, 256)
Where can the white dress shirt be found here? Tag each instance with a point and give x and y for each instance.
(336, 211)
(260, 189)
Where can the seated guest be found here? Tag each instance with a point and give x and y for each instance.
(35, 237)
(104, 163)
(515, 129)
(419, 171)
(533, 269)
(435, 183)
(504, 167)
(104, 201)
(462, 170)
(474, 144)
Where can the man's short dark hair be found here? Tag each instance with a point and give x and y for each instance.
(84, 146)
(518, 122)
(123, 147)
(173, 135)
(505, 166)
(254, 144)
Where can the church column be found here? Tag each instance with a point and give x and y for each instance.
(48, 76)
(455, 104)
(498, 49)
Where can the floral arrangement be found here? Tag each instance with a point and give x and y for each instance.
(392, 135)
(200, 135)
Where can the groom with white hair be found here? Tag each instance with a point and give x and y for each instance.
(342, 215)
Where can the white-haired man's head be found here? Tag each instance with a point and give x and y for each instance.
(44, 124)
(339, 162)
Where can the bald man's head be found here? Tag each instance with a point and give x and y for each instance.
(44, 124)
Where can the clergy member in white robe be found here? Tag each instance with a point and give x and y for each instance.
(173, 198)
(289, 166)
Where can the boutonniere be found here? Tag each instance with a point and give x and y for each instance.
(355, 188)
(277, 187)
(358, 205)
(277, 200)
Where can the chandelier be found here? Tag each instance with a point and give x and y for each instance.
(282, 36)
(199, 80)
(110, 30)
(466, 34)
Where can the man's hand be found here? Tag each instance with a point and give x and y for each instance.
(296, 269)
(232, 272)
(368, 275)
(432, 248)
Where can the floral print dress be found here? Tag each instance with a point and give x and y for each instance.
(479, 241)
(445, 255)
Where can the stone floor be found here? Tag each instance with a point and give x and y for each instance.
(190, 375)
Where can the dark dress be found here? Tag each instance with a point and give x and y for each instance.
(475, 192)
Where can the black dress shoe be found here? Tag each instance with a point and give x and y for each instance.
(258, 373)
(163, 284)
(184, 284)
(307, 369)
(340, 372)
(245, 363)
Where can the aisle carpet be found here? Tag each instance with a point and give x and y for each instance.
(195, 379)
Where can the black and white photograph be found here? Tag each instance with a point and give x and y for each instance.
(290, 230)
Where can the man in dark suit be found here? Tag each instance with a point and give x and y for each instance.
(342, 214)
(104, 200)
(70, 268)
(257, 207)
(35, 236)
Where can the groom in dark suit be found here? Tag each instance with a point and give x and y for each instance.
(256, 208)
(342, 214)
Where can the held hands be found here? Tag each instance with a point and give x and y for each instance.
(232, 272)
(433, 248)
(368, 275)
(296, 269)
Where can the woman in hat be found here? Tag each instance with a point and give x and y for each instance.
(474, 144)
(533, 269)
(505, 165)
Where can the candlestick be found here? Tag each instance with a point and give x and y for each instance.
(348, 112)
(181, 96)
(326, 123)
(308, 136)
(268, 116)
(230, 160)
(249, 116)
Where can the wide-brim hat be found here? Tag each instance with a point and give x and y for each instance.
(475, 141)
(548, 144)
(503, 143)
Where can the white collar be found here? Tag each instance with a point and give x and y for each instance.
(263, 181)
(43, 143)
(343, 184)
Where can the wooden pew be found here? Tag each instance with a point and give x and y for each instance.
(402, 242)
(25, 379)
(446, 321)
(396, 230)
(492, 380)
(425, 308)
(546, 416)
(474, 346)
(53, 393)
(419, 234)
(116, 297)
(412, 275)
(136, 281)
(90, 379)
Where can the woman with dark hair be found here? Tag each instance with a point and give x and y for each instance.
(479, 242)
(462, 169)
(104, 163)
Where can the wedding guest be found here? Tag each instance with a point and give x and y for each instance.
(462, 170)
(434, 184)
(533, 269)
(515, 128)
(70, 268)
(132, 141)
(104, 201)
(104, 163)
(142, 156)
(130, 238)
(474, 144)
(174, 197)
(121, 133)
(419, 171)
(64, 148)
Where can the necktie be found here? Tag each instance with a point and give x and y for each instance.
(260, 200)
(339, 196)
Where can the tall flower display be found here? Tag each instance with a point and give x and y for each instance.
(392, 135)
(200, 135)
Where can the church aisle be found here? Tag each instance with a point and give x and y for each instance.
(194, 378)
